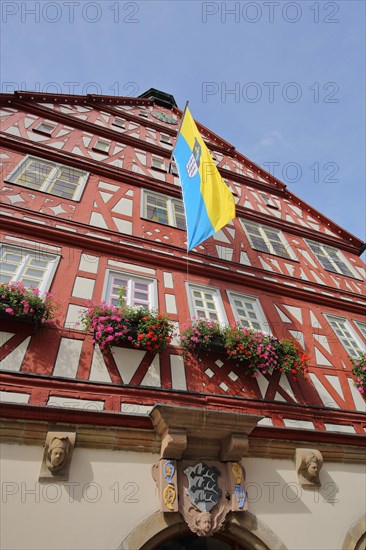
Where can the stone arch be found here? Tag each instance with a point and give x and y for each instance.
(355, 538)
(245, 529)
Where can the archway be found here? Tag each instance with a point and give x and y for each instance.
(243, 530)
(355, 538)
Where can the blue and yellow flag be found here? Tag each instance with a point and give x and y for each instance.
(208, 202)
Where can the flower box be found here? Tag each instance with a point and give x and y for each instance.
(215, 345)
(255, 351)
(19, 319)
(136, 327)
(25, 305)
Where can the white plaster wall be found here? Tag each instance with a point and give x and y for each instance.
(306, 519)
(110, 492)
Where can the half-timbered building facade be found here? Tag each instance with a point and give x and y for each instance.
(88, 207)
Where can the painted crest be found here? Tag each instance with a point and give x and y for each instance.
(203, 488)
(169, 471)
(194, 160)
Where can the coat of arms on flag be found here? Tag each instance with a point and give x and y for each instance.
(208, 202)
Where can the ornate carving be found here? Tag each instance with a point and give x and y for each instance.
(208, 491)
(308, 465)
(203, 489)
(57, 456)
(165, 475)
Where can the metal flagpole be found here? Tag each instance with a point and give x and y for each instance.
(178, 132)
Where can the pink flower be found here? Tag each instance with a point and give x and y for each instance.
(9, 310)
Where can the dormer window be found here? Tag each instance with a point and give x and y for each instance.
(269, 202)
(101, 146)
(120, 122)
(174, 169)
(45, 128)
(165, 138)
(157, 163)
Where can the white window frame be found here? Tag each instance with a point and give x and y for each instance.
(39, 129)
(359, 344)
(99, 148)
(27, 253)
(257, 308)
(361, 325)
(169, 206)
(47, 183)
(165, 138)
(119, 122)
(190, 287)
(174, 169)
(339, 255)
(159, 160)
(153, 286)
(261, 227)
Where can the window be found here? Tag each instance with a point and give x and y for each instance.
(31, 267)
(142, 113)
(163, 209)
(157, 163)
(361, 327)
(43, 175)
(247, 310)
(119, 122)
(138, 291)
(331, 258)
(165, 138)
(174, 169)
(269, 202)
(101, 146)
(205, 303)
(45, 128)
(346, 335)
(268, 239)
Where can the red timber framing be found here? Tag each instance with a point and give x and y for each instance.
(107, 224)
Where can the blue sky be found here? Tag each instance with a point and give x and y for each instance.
(282, 81)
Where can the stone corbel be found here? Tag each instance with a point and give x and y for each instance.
(208, 433)
(173, 443)
(234, 447)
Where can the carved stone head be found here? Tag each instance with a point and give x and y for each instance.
(58, 453)
(203, 523)
(308, 465)
(57, 456)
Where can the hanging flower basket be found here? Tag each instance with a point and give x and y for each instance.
(255, 351)
(137, 327)
(359, 372)
(26, 305)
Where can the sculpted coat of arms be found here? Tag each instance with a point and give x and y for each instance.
(207, 491)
